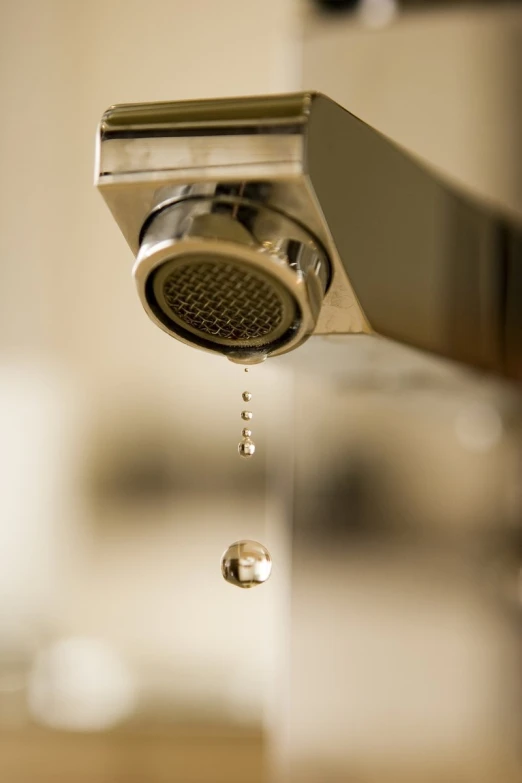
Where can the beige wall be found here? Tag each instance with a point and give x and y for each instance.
(401, 668)
(145, 578)
(445, 84)
(62, 64)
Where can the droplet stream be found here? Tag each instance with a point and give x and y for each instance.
(246, 447)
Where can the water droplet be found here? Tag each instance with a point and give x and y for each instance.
(247, 396)
(246, 369)
(246, 448)
(246, 564)
(246, 433)
(246, 415)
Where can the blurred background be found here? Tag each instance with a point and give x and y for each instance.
(386, 484)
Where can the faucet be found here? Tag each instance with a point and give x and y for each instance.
(257, 222)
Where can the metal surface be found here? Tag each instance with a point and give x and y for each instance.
(249, 153)
(411, 258)
(213, 298)
(228, 275)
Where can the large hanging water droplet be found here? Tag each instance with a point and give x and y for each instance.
(246, 433)
(246, 415)
(246, 564)
(246, 396)
(246, 448)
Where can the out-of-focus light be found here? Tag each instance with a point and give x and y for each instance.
(377, 13)
(478, 427)
(80, 684)
(11, 681)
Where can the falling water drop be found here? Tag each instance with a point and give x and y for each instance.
(246, 448)
(246, 396)
(246, 415)
(246, 433)
(246, 564)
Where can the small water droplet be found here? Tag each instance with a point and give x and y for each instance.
(246, 369)
(247, 396)
(246, 564)
(246, 448)
(246, 415)
(246, 433)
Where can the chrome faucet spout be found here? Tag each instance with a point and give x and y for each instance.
(257, 222)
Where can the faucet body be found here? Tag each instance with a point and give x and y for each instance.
(257, 222)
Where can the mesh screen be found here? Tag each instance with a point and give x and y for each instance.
(223, 300)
